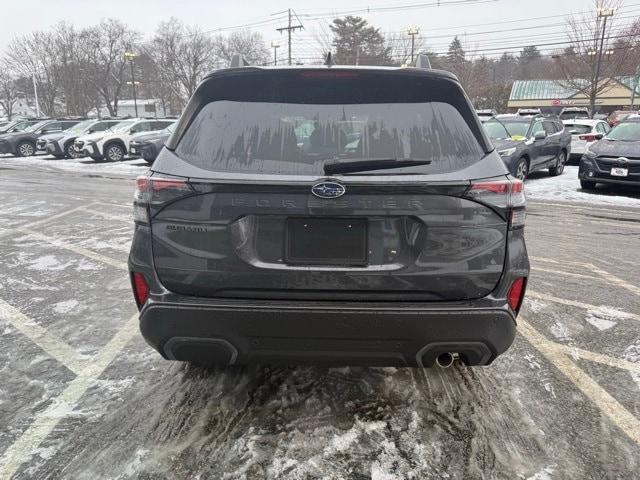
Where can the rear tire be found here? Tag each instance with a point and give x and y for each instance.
(25, 149)
(522, 169)
(587, 185)
(560, 162)
(114, 152)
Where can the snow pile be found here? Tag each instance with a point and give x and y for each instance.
(604, 318)
(83, 165)
(632, 354)
(566, 188)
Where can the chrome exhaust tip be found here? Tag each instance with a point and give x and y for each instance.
(445, 360)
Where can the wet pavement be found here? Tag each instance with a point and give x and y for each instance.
(83, 397)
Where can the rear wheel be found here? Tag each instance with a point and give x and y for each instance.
(522, 168)
(587, 185)
(25, 149)
(114, 152)
(559, 167)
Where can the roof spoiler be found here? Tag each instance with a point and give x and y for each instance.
(237, 61)
(422, 61)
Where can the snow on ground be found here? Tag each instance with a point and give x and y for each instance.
(540, 186)
(566, 188)
(85, 165)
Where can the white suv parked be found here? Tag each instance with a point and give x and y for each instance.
(584, 132)
(112, 144)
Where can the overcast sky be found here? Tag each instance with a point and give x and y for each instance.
(472, 22)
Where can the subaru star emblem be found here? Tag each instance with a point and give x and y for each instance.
(328, 190)
(623, 160)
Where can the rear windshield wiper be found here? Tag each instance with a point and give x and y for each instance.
(368, 164)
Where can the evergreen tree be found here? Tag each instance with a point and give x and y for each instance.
(356, 42)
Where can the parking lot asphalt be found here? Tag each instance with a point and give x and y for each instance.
(83, 396)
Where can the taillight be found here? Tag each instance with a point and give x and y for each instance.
(516, 293)
(505, 194)
(588, 137)
(140, 288)
(155, 191)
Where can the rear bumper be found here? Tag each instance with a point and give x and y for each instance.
(332, 333)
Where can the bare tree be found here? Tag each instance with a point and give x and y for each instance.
(400, 44)
(36, 56)
(249, 44)
(183, 56)
(578, 64)
(8, 89)
(103, 63)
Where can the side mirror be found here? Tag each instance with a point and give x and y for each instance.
(91, 130)
(540, 135)
(599, 136)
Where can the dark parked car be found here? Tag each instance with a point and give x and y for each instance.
(19, 125)
(514, 153)
(23, 143)
(547, 144)
(615, 159)
(148, 145)
(618, 116)
(330, 215)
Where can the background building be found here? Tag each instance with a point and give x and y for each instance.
(552, 95)
(146, 108)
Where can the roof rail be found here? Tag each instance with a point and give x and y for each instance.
(237, 61)
(422, 61)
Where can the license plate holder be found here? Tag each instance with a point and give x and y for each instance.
(619, 172)
(326, 241)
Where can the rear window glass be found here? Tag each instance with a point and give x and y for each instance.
(295, 138)
(578, 129)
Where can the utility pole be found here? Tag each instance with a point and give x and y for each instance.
(603, 13)
(35, 94)
(275, 45)
(130, 56)
(412, 32)
(290, 28)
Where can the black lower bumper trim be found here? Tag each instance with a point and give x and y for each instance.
(236, 334)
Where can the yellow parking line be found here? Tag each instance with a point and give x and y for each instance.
(572, 303)
(565, 273)
(615, 280)
(47, 341)
(75, 248)
(22, 449)
(608, 405)
(599, 358)
(108, 216)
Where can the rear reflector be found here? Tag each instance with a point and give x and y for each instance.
(140, 288)
(516, 293)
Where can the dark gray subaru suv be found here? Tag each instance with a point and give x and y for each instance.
(329, 215)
